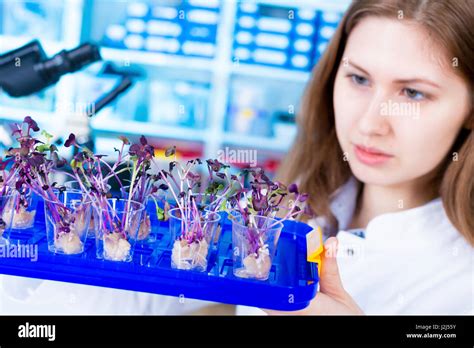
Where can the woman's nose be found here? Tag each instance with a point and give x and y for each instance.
(372, 121)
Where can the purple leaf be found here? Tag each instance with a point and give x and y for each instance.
(134, 149)
(293, 188)
(215, 165)
(71, 140)
(18, 185)
(31, 123)
(303, 197)
(163, 187)
(193, 176)
(149, 150)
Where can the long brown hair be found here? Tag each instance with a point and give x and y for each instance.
(316, 158)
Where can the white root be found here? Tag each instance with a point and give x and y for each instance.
(145, 228)
(116, 248)
(257, 267)
(189, 256)
(69, 243)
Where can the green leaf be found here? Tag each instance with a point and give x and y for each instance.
(46, 135)
(42, 148)
(75, 164)
(160, 213)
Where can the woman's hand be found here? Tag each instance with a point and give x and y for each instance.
(331, 298)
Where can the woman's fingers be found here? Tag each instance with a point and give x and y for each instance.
(330, 281)
(331, 298)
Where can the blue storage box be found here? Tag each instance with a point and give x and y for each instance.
(291, 286)
(275, 36)
(185, 28)
(327, 25)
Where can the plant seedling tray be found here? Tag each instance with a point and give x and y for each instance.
(291, 285)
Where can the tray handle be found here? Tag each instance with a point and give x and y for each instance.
(314, 247)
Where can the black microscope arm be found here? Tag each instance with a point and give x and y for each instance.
(27, 70)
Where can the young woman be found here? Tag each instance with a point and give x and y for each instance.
(386, 151)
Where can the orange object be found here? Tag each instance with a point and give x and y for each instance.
(315, 247)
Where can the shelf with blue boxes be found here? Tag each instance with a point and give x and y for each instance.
(187, 28)
(285, 37)
(157, 32)
(275, 36)
(302, 21)
(327, 25)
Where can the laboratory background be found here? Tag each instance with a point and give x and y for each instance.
(207, 75)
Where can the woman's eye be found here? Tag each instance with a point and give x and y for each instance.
(359, 80)
(413, 94)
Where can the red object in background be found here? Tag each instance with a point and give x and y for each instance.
(271, 165)
(184, 150)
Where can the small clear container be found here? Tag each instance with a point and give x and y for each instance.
(67, 214)
(74, 185)
(254, 247)
(116, 224)
(150, 224)
(7, 198)
(25, 210)
(192, 238)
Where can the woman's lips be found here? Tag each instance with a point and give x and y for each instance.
(370, 156)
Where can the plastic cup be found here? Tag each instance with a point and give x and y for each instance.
(254, 247)
(192, 239)
(25, 213)
(116, 225)
(67, 215)
(74, 185)
(7, 198)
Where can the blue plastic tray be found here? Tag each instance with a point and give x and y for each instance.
(291, 285)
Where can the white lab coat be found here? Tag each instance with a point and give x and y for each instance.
(410, 262)
(29, 296)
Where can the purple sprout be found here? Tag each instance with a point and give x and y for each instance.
(266, 198)
(28, 167)
(32, 163)
(195, 197)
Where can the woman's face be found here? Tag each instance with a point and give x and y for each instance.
(398, 103)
